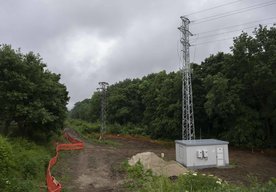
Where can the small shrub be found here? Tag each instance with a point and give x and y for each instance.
(143, 181)
(6, 163)
(115, 128)
(138, 177)
(22, 165)
(31, 158)
(83, 127)
(129, 129)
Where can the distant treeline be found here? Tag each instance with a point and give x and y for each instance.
(234, 97)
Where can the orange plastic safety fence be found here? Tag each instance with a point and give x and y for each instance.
(52, 184)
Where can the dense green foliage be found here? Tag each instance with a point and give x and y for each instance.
(89, 131)
(241, 90)
(234, 97)
(137, 106)
(83, 127)
(144, 181)
(22, 165)
(31, 98)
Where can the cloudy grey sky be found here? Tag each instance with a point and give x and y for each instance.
(87, 41)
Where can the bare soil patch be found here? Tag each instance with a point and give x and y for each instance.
(97, 167)
(246, 166)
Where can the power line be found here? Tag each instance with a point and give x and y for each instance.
(232, 26)
(204, 10)
(244, 8)
(218, 16)
(206, 36)
(207, 42)
(195, 49)
(212, 41)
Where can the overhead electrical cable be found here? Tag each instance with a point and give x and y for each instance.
(207, 42)
(218, 16)
(211, 35)
(208, 9)
(195, 48)
(232, 26)
(211, 41)
(244, 8)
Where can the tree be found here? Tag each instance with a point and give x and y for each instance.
(124, 102)
(81, 110)
(30, 96)
(241, 92)
(256, 58)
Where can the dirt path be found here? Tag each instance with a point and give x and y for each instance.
(93, 169)
(97, 167)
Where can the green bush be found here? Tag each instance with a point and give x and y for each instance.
(83, 127)
(144, 181)
(138, 177)
(22, 165)
(22, 186)
(115, 128)
(129, 129)
(31, 159)
(6, 163)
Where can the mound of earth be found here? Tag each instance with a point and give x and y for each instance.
(150, 160)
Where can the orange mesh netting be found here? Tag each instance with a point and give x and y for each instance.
(52, 184)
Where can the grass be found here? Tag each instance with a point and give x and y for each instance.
(140, 180)
(22, 165)
(233, 164)
(59, 170)
(90, 132)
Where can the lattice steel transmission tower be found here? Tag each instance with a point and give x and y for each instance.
(103, 91)
(188, 126)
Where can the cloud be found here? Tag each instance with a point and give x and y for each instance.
(88, 41)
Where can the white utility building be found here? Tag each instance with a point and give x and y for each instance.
(202, 153)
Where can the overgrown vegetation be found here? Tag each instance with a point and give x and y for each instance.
(22, 165)
(144, 181)
(234, 97)
(83, 127)
(89, 131)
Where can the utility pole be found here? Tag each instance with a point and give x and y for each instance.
(103, 89)
(188, 126)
